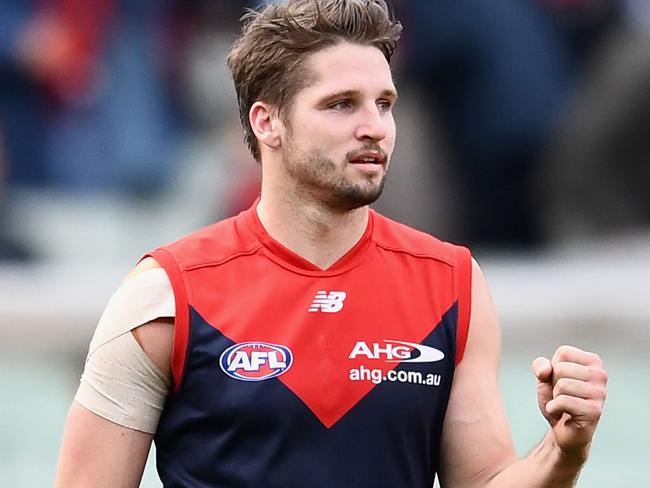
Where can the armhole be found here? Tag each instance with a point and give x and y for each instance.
(464, 290)
(181, 320)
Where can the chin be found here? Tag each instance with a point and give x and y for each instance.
(356, 196)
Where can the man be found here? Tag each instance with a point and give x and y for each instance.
(313, 341)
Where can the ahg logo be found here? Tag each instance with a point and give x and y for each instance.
(397, 351)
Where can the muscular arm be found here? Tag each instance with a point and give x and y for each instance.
(477, 445)
(97, 452)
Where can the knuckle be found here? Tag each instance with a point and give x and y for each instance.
(597, 393)
(563, 351)
(560, 370)
(603, 375)
(562, 384)
(594, 360)
(562, 387)
(598, 374)
(568, 370)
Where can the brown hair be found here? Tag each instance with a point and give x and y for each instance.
(267, 60)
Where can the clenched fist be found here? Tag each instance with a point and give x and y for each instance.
(571, 391)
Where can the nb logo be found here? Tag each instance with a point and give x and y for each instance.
(331, 302)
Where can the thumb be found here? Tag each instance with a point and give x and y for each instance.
(543, 371)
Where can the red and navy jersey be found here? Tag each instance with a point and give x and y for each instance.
(286, 375)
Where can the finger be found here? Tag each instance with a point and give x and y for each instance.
(571, 370)
(542, 369)
(573, 354)
(575, 388)
(579, 372)
(579, 409)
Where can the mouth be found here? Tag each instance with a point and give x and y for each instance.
(372, 157)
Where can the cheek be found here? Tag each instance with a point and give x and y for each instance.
(391, 131)
(326, 136)
(312, 130)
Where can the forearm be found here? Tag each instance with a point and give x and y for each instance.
(545, 467)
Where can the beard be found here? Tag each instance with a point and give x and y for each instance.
(318, 177)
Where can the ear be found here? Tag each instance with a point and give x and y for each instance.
(265, 123)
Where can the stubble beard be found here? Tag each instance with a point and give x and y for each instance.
(317, 176)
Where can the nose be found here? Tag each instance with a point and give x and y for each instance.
(373, 124)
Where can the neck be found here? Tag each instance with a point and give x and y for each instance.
(319, 234)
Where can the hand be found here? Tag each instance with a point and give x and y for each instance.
(571, 393)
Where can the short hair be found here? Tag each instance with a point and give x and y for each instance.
(267, 60)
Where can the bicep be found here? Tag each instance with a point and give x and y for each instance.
(476, 441)
(123, 388)
(97, 452)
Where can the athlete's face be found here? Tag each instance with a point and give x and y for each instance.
(340, 132)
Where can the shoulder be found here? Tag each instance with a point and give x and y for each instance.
(146, 264)
(397, 237)
(213, 244)
(155, 337)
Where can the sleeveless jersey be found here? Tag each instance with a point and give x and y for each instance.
(286, 375)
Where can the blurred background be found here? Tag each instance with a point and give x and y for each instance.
(524, 133)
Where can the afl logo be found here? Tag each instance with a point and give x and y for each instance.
(255, 361)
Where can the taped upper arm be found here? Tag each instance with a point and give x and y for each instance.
(109, 429)
(155, 338)
(476, 441)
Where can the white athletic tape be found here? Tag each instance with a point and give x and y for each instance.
(120, 382)
(145, 297)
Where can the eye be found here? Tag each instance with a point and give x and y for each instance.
(385, 105)
(340, 105)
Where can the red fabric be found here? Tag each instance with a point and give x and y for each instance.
(182, 319)
(464, 300)
(411, 279)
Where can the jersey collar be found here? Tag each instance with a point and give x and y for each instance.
(288, 258)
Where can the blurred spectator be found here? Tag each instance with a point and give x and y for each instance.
(596, 177)
(85, 79)
(22, 102)
(131, 97)
(638, 12)
(583, 25)
(9, 249)
(498, 75)
(213, 147)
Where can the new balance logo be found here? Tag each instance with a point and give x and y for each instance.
(331, 302)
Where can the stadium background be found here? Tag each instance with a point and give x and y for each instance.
(523, 133)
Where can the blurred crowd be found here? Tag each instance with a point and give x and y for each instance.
(522, 123)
